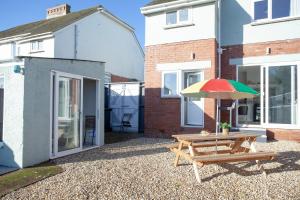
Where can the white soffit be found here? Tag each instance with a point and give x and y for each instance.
(265, 59)
(183, 66)
(172, 5)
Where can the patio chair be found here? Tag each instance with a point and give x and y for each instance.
(125, 123)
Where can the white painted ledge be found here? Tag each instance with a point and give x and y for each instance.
(259, 60)
(178, 25)
(183, 66)
(271, 21)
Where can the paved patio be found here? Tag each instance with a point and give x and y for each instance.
(143, 169)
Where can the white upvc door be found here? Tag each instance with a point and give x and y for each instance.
(67, 114)
(192, 108)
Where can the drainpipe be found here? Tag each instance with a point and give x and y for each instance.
(219, 39)
(218, 117)
(75, 41)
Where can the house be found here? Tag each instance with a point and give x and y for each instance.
(89, 34)
(52, 79)
(50, 107)
(256, 42)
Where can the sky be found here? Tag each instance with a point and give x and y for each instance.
(18, 12)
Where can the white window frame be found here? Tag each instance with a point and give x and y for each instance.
(163, 95)
(264, 94)
(39, 46)
(1, 141)
(270, 10)
(178, 22)
(66, 115)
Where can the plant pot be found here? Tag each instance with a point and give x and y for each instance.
(225, 131)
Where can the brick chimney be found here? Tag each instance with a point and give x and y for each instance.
(58, 11)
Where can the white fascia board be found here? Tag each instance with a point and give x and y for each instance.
(183, 66)
(258, 60)
(173, 5)
(37, 37)
(116, 19)
(12, 38)
(23, 38)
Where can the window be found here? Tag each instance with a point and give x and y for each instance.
(1, 106)
(274, 9)
(183, 15)
(36, 45)
(171, 18)
(260, 9)
(169, 84)
(280, 8)
(63, 101)
(177, 17)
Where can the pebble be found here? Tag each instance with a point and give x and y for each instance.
(142, 168)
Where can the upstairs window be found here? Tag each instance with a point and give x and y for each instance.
(281, 8)
(260, 9)
(37, 45)
(177, 17)
(171, 18)
(275, 9)
(183, 15)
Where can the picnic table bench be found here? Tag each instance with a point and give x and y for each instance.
(234, 152)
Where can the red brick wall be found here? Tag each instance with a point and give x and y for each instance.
(115, 79)
(162, 115)
(284, 134)
(259, 49)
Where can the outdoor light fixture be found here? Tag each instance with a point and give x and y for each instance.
(18, 69)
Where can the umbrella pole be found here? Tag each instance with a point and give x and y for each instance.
(217, 123)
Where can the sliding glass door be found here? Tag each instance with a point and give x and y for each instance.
(69, 103)
(278, 104)
(281, 95)
(67, 107)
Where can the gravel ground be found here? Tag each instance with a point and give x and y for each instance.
(143, 169)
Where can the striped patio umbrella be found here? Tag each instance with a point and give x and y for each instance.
(219, 89)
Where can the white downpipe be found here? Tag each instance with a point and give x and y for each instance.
(218, 117)
(219, 39)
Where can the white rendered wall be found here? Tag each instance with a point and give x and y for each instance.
(237, 28)
(100, 38)
(203, 18)
(24, 49)
(6, 51)
(12, 152)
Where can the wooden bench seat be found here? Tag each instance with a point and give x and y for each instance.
(204, 144)
(226, 158)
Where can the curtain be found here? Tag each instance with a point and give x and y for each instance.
(295, 8)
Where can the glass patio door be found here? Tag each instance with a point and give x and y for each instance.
(281, 95)
(67, 114)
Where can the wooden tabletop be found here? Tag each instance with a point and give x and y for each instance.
(198, 137)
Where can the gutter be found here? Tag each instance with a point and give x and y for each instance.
(173, 5)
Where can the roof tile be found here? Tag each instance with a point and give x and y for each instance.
(48, 25)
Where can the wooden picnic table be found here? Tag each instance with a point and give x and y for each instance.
(195, 144)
